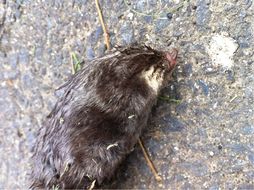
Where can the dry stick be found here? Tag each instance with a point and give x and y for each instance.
(106, 35)
(148, 160)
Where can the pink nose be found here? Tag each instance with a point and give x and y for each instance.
(171, 57)
(174, 53)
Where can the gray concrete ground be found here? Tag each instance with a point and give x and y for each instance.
(203, 141)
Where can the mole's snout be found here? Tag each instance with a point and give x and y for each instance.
(171, 57)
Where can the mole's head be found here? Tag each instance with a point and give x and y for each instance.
(159, 68)
(134, 71)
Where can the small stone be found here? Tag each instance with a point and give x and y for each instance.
(169, 16)
(90, 53)
(176, 148)
(187, 69)
(98, 33)
(148, 19)
(211, 153)
(214, 187)
(94, 36)
(4, 92)
(194, 7)
(59, 92)
(101, 50)
(27, 81)
(24, 57)
(141, 5)
(38, 52)
(188, 11)
(127, 34)
(11, 75)
(251, 158)
(209, 69)
(20, 133)
(161, 24)
(31, 139)
(80, 2)
(177, 33)
(37, 101)
(17, 14)
(181, 108)
(43, 71)
(13, 60)
(203, 13)
(248, 130)
(130, 16)
(193, 61)
(204, 87)
(58, 60)
(230, 75)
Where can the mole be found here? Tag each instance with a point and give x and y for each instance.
(99, 117)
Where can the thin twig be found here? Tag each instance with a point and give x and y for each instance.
(106, 35)
(149, 162)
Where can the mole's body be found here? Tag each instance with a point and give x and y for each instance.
(99, 117)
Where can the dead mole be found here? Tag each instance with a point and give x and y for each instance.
(99, 117)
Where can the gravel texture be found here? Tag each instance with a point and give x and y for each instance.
(203, 141)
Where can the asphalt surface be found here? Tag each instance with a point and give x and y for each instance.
(200, 135)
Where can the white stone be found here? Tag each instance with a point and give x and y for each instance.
(221, 50)
(211, 153)
(130, 16)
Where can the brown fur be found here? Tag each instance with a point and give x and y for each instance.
(98, 120)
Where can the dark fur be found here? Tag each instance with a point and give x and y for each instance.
(71, 149)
